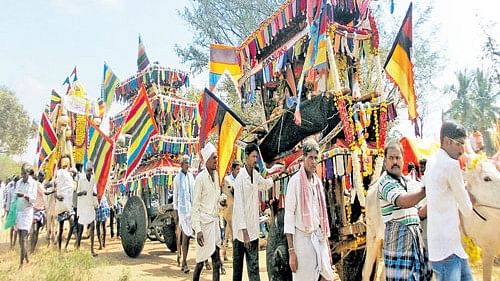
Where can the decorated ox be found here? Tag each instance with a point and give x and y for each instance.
(227, 214)
(374, 234)
(483, 182)
(51, 214)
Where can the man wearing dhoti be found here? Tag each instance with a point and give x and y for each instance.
(206, 200)
(39, 216)
(26, 194)
(64, 195)
(87, 198)
(306, 221)
(183, 198)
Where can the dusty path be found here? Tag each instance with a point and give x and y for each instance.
(156, 262)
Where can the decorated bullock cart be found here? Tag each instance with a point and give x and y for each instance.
(148, 211)
(317, 70)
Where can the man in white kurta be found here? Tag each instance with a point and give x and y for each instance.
(64, 193)
(205, 212)
(183, 198)
(87, 196)
(26, 194)
(306, 221)
(246, 215)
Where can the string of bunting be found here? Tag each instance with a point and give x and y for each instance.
(153, 74)
(269, 30)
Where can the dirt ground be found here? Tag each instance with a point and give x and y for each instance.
(156, 262)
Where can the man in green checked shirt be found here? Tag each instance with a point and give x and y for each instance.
(405, 257)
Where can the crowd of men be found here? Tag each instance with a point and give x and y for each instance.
(30, 203)
(198, 200)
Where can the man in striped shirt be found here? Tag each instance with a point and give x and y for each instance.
(404, 254)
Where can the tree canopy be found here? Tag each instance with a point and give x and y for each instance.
(475, 103)
(16, 128)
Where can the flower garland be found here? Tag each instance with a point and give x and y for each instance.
(344, 118)
(382, 127)
(357, 179)
(377, 132)
(79, 138)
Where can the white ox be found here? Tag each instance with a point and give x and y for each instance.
(483, 183)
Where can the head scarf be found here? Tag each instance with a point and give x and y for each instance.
(207, 152)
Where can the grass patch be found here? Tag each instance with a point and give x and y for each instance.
(125, 276)
(48, 264)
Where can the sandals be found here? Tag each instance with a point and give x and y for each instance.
(185, 268)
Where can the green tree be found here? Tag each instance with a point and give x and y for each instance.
(486, 109)
(16, 128)
(221, 21)
(9, 167)
(461, 106)
(427, 58)
(491, 54)
(476, 102)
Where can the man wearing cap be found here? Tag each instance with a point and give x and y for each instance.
(204, 214)
(183, 198)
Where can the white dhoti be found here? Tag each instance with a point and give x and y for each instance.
(211, 234)
(24, 219)
(313, 256)
(185, 223)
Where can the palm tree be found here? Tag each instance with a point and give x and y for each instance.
(485, 101)
(461, 106)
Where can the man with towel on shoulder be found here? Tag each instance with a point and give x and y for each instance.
(205, 214)
(306, 221)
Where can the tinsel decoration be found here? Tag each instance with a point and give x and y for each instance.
(80, 136)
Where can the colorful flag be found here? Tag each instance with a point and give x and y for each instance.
(223, 58)
(100, 154)
(66, 81)
(399, 68)
(216, 116)
(109, 82)
(73, 73)
(316, 50)
(55, 99)
(142, 58)
(47, 139)
(140, 124)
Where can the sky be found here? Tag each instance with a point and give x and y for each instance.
(43, 40)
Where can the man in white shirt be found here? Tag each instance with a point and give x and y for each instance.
(183, 198)
(86, 203)
(306, 221)
(26, 194)
(446, 196)
(246, 215)
(64, 195)
(205, 211)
